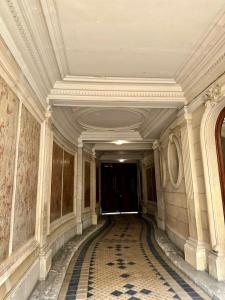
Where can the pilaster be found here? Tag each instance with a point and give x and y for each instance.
(159, 187)
(194, 249)
(79, 187)
(214, 99)
(144, 188)
(93, 189)
(44, 193)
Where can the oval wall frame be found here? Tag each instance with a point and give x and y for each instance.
(173, 142)
(162, 167)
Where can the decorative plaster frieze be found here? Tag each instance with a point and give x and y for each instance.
(110, 93)
(206, 64)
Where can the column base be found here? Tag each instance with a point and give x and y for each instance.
(94, 219)
(217, 266)
(79, 228)
(195, 254)
(45, 263)
(161, 224)
(144, 210)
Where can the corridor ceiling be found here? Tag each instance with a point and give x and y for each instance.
(130, 38)
(112, 69)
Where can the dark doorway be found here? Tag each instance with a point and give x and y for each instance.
(119, 187)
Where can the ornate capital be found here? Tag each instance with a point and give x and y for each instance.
(80, 142)
(48, 113)
(212, 94)
(156, 145)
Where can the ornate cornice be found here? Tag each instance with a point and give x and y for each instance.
(118, 93)
(207, 62)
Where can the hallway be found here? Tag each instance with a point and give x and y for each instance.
(122, 261)
(111, 107)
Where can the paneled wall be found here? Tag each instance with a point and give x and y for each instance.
(27, 178)
(175, 199)
(62, 186)
(19, 157)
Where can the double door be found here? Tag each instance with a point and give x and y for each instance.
(119, 187)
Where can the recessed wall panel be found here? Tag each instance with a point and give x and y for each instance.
(68, 183)
(9, 109)
(27, 180)
(56, 187)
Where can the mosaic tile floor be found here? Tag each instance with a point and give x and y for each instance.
(123, 261)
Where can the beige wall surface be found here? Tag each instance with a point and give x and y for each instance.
(175, 200)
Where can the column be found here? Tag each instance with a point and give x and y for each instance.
(44, 194)
(144, 189)
(93, 189)
(194, 249)
(79, 187)
(159, 186)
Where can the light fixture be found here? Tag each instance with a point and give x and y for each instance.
(120, 142)
(121, 160)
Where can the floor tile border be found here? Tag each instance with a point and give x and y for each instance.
(215, 289)
(54, 280)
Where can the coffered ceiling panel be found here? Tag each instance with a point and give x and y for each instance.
(130, 38)
(147, 123)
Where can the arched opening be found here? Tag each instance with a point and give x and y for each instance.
(220, 147)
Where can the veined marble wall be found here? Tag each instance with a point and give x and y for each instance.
(27, 179)
(22, 220)
(56, 189)
(68, 183)
(62, 187)
(9, 109)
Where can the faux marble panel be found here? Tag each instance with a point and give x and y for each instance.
(151, 184)
(9, 108)
(27, 179)
(56, 187)
(87, 184)
(68, 183)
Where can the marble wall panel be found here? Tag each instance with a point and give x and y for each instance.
(56, 186)
(27, 180)
(68, 183)
(9, 108)
(87, 184)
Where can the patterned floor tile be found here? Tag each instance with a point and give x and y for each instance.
(123, 261)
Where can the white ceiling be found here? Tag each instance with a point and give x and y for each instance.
(131, 38)
(121, 67)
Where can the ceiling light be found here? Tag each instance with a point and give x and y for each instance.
(121, 160)
(120, 142)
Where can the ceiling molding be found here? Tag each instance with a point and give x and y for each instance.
(24, 30)
(206, 63)
(11, 73)
(109, 93)
(95, 136)
(52, 20)
(161, 119)
(129, 146)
